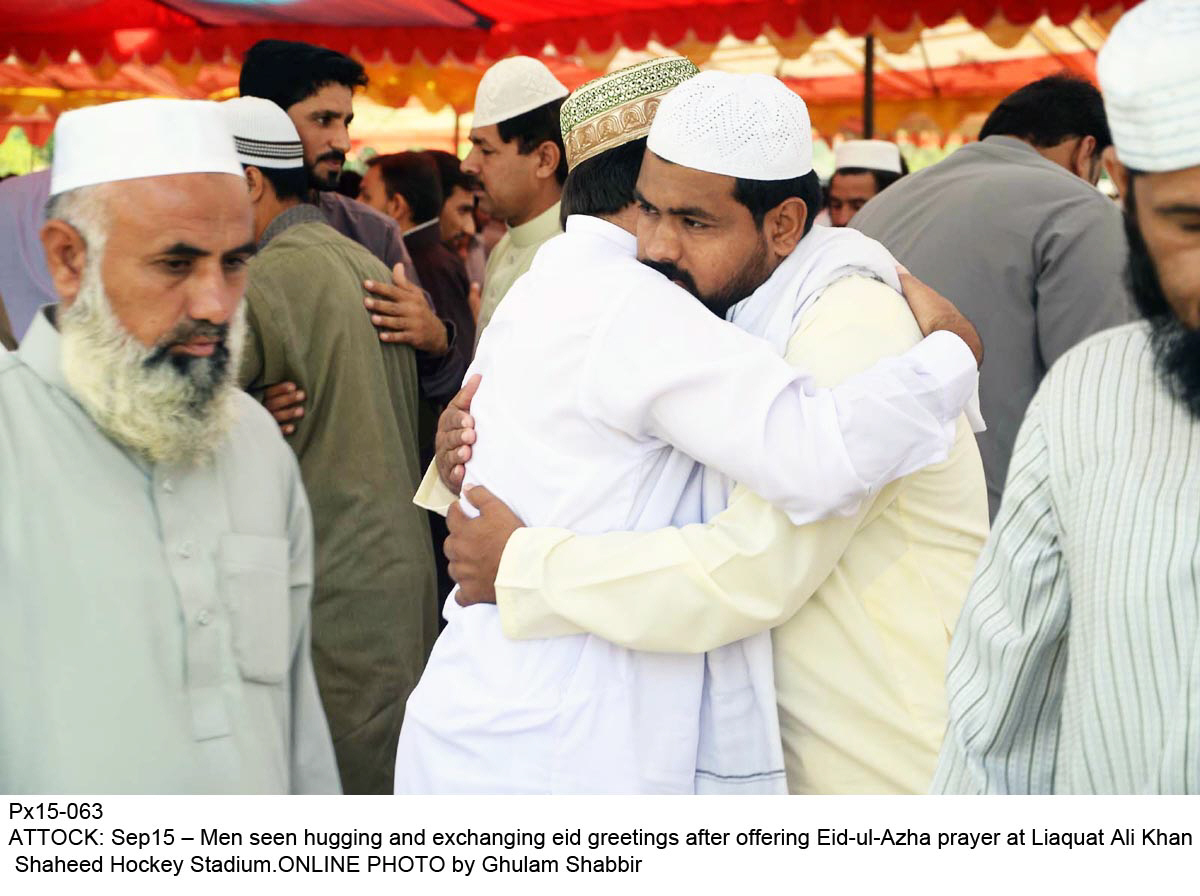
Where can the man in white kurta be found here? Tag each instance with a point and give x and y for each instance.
(155, 568)
(578, 713)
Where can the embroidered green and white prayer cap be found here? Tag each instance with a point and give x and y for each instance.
(618, 108)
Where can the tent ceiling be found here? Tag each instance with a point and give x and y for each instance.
(396, 30)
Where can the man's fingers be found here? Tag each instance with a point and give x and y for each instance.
(480, 497)
(466, 394)
(283, 400)
(399, 276)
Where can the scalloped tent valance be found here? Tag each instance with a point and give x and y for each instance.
(184, 32)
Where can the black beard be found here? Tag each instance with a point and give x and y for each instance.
(1176, 348)
(206, 374)
(331, 181)
(750, 277)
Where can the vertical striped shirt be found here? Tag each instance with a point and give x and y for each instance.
(1075, 667)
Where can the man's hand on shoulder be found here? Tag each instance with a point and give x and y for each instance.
(401, 314)
(455, 436)
(934, 311)
(475, 546)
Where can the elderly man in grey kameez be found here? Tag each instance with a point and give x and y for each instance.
(155, 540)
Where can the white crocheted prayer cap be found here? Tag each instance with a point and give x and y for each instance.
(1149, 73)
(263, 134)
(747, 126)
(878, 155)
(512, 87)
(140, 138)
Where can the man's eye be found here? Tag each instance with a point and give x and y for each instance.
(177, 265)
(237, 263)
(647, 209)
(693, 224)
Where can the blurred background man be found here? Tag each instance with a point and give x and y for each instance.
(517, 155)
(864, 168)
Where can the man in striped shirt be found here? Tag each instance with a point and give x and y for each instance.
(1075, 667)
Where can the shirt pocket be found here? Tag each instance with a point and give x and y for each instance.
(253, 572)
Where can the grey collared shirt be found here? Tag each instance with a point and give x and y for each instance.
(154, 620)
(1032, 254)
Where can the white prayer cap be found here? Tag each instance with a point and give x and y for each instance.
(1149, 73)
(140, 138)
(747, 126)
(263, 134)
(512, 87)
(878, 155)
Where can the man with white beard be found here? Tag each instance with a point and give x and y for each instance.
(155, 540)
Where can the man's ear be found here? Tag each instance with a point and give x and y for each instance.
(256, 184)
(1081, 157)
(548, 158)
(1118, 172)
(783, 226)
(66, 257)
(398, 210)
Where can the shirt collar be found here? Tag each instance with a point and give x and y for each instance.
(537, 230)
(421, 227)
(41, 349)
(302, 213)
(625, 240)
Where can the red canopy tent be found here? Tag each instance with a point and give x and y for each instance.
(396, 30)
(65, 53)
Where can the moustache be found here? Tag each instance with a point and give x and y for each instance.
(333, 155)
(672, 272)
(191, 331)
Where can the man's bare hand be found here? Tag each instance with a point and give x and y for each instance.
(475, 546)
(401, 314)
(455, 436)
(286, 404)
(934, 311)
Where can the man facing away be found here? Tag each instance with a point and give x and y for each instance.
(155, 541)
(517, 155)
(1014, 229)
(594, 453)
(374, 604)
(1075, 666)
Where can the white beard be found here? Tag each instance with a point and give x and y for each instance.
(162, 413)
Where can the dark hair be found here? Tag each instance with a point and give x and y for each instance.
(603, 184)
(415, 177)
(1049, 111)
(286, 71)
(450, 172)
(760, 196)
(533, 128)
(349, 183)
(288, 183)
(883, 179)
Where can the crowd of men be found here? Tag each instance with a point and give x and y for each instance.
(710, 497)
